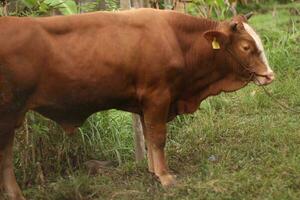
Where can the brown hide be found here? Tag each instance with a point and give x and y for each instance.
(154, 63)
(67, 68)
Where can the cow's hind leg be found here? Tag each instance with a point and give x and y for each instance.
(7, 175)
(1, 176)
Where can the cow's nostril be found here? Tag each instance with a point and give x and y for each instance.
(270, 76)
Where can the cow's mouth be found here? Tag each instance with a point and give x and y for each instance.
(263, 79)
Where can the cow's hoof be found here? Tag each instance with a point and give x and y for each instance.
(167, 180)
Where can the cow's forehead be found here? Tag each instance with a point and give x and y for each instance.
(258, 43)
(254, 35)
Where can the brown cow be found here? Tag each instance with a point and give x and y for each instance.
(157, 64)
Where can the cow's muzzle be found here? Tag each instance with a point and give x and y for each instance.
(264, 79)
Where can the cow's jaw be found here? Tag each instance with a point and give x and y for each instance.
(268, 75)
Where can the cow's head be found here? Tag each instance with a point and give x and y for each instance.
(243, 49)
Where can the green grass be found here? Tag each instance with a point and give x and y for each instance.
(236, 146)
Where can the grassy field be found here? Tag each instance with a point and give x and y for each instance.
(236, 146)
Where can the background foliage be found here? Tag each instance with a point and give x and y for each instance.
(237, 146)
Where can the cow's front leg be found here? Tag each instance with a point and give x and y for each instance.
(157, 145)
(7, 175)
(155, 120)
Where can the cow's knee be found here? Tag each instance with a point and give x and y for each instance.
(157, 135)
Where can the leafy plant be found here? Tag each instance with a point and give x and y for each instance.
(40, 7)
(88, 6)
(208, 8)
(112, 5)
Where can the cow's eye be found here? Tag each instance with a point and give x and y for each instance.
(246, 48)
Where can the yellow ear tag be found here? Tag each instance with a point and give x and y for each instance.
(215, 44)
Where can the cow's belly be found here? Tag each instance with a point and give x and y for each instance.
(74, 115)
(71, 100)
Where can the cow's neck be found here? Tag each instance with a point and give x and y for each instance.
(203, 64)
(207, 70)
(198, 54)
(188, 28)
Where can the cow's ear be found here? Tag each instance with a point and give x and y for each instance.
(216, 38)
